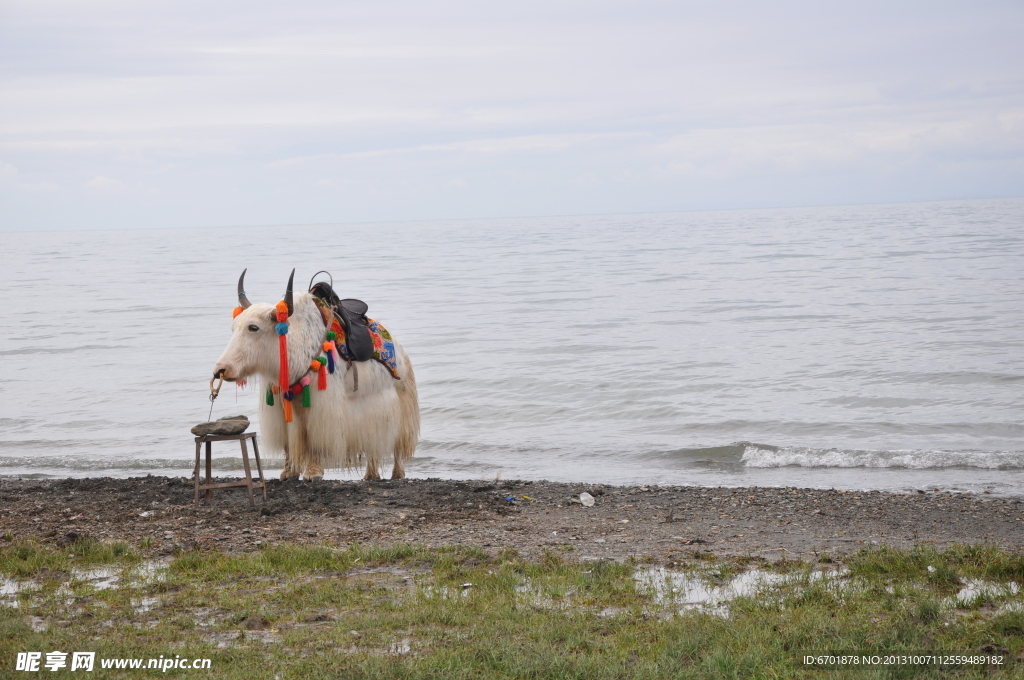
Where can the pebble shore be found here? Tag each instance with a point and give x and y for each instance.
(658, 523)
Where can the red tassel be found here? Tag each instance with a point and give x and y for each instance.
(321, 383)
(282, 341)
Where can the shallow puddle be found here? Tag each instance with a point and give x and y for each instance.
(447, 592)
(529, 593)
(150, 571)
(142, 605)
(10, 589)
(708, 592)
(100, 578)
(266, 637)
(978, 589)
(403, 646)
(390, 578)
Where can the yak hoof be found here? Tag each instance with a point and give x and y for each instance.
(288, 474)
(314, 478)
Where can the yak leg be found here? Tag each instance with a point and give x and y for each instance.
(398, 471)
(372, 472)
(289, 471)
(314, 472)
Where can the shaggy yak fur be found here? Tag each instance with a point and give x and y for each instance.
(343, 427)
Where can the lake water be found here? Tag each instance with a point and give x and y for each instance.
(875, 346)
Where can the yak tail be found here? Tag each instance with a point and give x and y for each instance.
(409, 405)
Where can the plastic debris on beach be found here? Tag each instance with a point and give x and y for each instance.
(587, 500)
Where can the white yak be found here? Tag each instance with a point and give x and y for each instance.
(364, 416)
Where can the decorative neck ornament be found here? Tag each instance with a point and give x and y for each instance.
(321, 365)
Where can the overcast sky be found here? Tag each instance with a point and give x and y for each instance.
(163, 114)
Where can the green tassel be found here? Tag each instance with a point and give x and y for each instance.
(305, 396)
(270, 396)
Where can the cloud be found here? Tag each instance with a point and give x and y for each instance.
(506, 145)
(538, 107)
(10, 176)
(298, 160)
(859, 143)
(101, 183)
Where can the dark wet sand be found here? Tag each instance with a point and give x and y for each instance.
(661, 523)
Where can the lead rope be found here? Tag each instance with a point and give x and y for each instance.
(214, 392)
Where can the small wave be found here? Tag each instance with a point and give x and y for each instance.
(729, 453)
(58, 350)
(763, 457)
(111, 464)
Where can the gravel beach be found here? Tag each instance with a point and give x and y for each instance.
(663, 524)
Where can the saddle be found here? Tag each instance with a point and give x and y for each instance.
(352, 315)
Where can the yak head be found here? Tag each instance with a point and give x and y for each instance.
(254, 348)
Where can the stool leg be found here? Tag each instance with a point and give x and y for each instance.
(248, 472)
(259, 467)
(195, 472)
(209, 472)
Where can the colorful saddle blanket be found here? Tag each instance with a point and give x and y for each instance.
(383, 345)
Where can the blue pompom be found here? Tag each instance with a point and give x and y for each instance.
(287, 395)
(282, 328)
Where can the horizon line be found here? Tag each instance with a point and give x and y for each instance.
(508, 217)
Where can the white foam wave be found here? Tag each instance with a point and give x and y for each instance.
(757, 457)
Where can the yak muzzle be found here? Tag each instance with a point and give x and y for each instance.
(223, 374)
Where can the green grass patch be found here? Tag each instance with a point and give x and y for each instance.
(29, 558)
(294, 611)
(941, 567)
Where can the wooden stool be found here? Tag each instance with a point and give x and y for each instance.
(248, 482)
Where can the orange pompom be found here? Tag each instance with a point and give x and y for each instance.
(315, 364)
(282, 307)
(236, 312)
(328, 346)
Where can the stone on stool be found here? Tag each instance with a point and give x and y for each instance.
(223, 426)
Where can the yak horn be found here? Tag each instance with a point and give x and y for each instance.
(242, 300)
(288, 294)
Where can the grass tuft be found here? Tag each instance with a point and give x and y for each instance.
(943, 568)
(928, 610)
